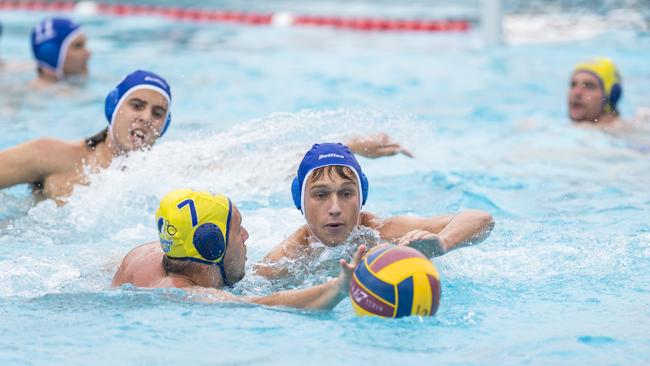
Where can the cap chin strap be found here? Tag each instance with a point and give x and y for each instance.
(224, 279)
(311, 232)
(115, 143)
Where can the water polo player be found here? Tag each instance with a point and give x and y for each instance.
(202, 248)
(330, 189)
(594, 92)
(138, 113)
(59, 48)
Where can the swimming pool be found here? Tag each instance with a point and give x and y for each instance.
(563, 279)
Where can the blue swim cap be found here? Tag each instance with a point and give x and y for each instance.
(136, 80)
(50, 41)
(321, 155)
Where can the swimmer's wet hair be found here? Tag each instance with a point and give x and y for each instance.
(179, 266)
(340, 170)
(189, 269)
(93, 141)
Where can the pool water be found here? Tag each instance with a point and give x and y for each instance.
(563, 279)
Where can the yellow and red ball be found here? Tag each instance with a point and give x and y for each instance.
(393, 282)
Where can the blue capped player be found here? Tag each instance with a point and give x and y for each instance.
(138, 114)
(59, 48)
(330, 190)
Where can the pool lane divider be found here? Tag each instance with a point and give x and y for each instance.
(280, 19)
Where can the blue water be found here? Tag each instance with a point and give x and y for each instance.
(563, 279)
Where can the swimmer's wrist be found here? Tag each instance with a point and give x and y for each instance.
(444, 244)
(340, 288)
(353, 145)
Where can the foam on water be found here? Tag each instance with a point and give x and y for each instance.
(252, 163)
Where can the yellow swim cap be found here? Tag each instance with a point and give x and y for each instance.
(610, 80)
(194, 226)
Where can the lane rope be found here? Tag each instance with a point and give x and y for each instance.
(280, 18)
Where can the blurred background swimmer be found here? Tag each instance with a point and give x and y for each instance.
(330, 190)
(595, 90)
(59, 48)
(202, 249)
(138, 113)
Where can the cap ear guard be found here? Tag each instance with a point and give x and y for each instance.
(109, 105)
(168, 121)
(209, 241)
(295, 192)
(364, 189)
(42, 52)
(615, 95)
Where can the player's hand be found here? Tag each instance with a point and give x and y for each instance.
(376, 146)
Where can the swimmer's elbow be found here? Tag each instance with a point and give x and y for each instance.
(487, 220)
(484, 222)
(263, 270)
(480, 216)
(270, 271)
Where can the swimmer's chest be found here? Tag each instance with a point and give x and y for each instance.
(70, 173)
(60, 184)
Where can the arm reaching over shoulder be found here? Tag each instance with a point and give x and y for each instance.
(437, 235)
(325, 296)
(376, 146)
